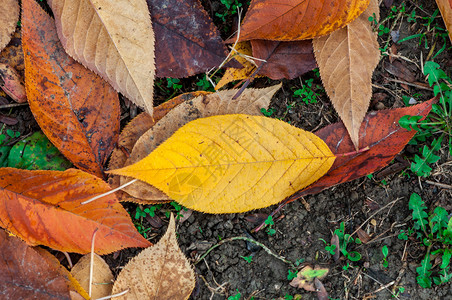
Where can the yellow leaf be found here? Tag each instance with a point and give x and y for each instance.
(232, 74)
(159, 272)
(347, 58)
(233, 163)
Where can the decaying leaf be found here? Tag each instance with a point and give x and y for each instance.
(232, 74)
(13, 55)
(289, 20)
(445, 7)
(347, 59)
(134, 130)
(103, 278)
(45, 208)
(188, 42)
(9, 15)
(250, 102)
(26, 273)
(11, 83)
(380, 132)
(114, 38)
(305, 277)
(233, 163)
(76, 109)
(159, 272)
(284, 59)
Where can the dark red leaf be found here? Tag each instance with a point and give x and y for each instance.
(380, 131)
(187, 41)
(284, 59)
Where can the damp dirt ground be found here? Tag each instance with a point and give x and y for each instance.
(377, 205)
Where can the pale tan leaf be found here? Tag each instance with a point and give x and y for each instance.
(114, 38)
(220, 103)
(9, 15)
(102, 275)
(159, 272)
(347, 58)
(445, 7)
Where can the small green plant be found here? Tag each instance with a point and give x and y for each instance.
(269, 222)
(267, 113)
(248, 259)
(385, 252)
(399, 290)
(434, 231)
(236, 296)
(204, 84)
(307, 92)
(230, 8)
(438, 123)
(147, 211)
(292, 274)
(345, 240)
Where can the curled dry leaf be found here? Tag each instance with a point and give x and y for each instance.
(250, 102)
(231, 74)
(347, 59)
(159, 272)
(9, 15)
(11, 83)
(134, 130)
(27, 273)
(380, 132)
(76, 109)
(114, 38)
(289, 20)
(233, 163)
(445, 7)
(284, 59)
(188, 42)
(305, 277)
(45, 208)
(103, 278)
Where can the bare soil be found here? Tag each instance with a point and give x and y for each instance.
(302, 224)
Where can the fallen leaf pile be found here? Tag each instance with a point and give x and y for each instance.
(211, 152)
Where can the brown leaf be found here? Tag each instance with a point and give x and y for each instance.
(347, 59)
(289, 20)
(12, 84)
(337, 250)
(363, 236)
(103, 278)
(399, 70)
(322, 294)
(114, 38)
(26, 274)
(134, 130)
(159, 272)
(9, 15)
(44, 208)
(306, 276)
(250, 102)
(445, 7)
(284, 59)
(76, 109)
(380, 132)
(188, 42)
(13, 54)
(8, 120)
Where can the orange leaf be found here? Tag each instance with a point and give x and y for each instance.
(445, 7)
(27, 273)
(289, 20)
(76, 109)
(44, 208)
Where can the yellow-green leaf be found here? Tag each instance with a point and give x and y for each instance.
(233, 163)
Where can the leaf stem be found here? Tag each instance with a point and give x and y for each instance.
(353, 152)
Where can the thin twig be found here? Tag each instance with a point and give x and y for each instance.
(91, 266)
(248, 240)
(411, 84)
(110, 192)
(441, 185)
(13, 105)
(114, 295)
